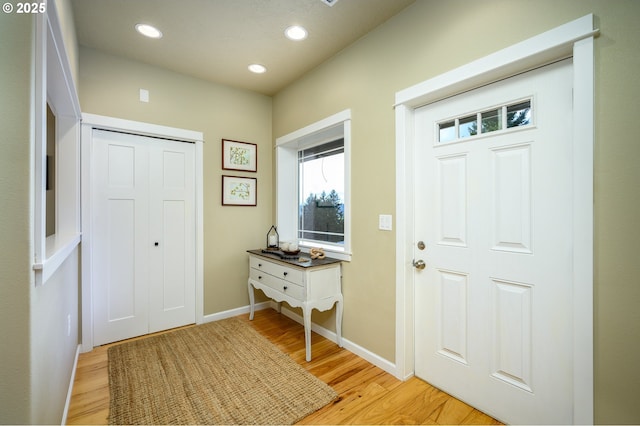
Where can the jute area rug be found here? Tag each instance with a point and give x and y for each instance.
(221, 372)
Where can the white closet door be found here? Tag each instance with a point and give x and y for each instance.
(172, 231)
(120, 209)
(142, 194)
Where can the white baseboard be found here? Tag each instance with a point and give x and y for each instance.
(70, 389)
(235, 312)
(366, 354)
(373, 358)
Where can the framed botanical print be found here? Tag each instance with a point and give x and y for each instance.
(239, 191)
(238, 155)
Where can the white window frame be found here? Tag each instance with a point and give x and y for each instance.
(54, 85)
(329, 129)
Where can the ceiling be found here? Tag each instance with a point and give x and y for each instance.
(216, 40)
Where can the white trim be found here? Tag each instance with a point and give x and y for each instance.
(65, 86)
(374, 359)
(86, 252)
(39, 149)
(572, 39)
(404, 243)
(312, 129)
(140, 128)
(67, 402)
(199, 199)
(237, 311)
(54, 83)
(91, 122)
(328, 129)
(60, 248)
(583, 223)
(528, 54)
(352, 347)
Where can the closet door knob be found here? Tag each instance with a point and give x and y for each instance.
(156, 244)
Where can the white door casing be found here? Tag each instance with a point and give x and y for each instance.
(167, 307)
(574, 39)
(493, 306)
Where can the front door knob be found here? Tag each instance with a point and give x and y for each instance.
(419, 264)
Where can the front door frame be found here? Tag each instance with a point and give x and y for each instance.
(574, 39)
(91, 122)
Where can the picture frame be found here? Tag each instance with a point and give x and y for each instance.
(239, 191)
(242, 156)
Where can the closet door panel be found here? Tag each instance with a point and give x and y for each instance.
(172, 227)
(120, 234)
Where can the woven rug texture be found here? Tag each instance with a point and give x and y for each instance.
(222, 372)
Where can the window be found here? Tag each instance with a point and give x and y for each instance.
(313, 191)
(505, 117)
(50, 227)
(321, 193)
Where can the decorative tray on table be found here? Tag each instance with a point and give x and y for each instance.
(288, 255)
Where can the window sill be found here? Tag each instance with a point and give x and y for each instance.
(330, 251)
(59, 248)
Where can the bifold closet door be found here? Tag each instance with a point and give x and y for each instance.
(172, 232)
(143, 228)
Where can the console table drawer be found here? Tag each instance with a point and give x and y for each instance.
(290, 274)
(278, 284)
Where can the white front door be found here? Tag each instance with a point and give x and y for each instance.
(143, 238)
(493, 305)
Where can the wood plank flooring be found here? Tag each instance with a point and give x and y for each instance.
(367, 394)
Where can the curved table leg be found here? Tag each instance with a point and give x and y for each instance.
(339, 321)
(306, 316)
(251, 300)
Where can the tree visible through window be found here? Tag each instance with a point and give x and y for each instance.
(321, 196)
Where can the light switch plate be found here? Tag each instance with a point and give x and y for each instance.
(385, 222)
(144, 95)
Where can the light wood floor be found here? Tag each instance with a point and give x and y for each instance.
(367, 394)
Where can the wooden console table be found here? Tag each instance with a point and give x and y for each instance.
(316, 284)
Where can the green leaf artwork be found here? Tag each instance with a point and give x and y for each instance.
(240, 191)
(239, 156)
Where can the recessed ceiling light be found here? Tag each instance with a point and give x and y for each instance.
(295, 32)
(257, 68)
(148, 30)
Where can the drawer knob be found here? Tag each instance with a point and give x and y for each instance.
(286, 273)
(259, 277)
(259, 265)
(284, 288)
